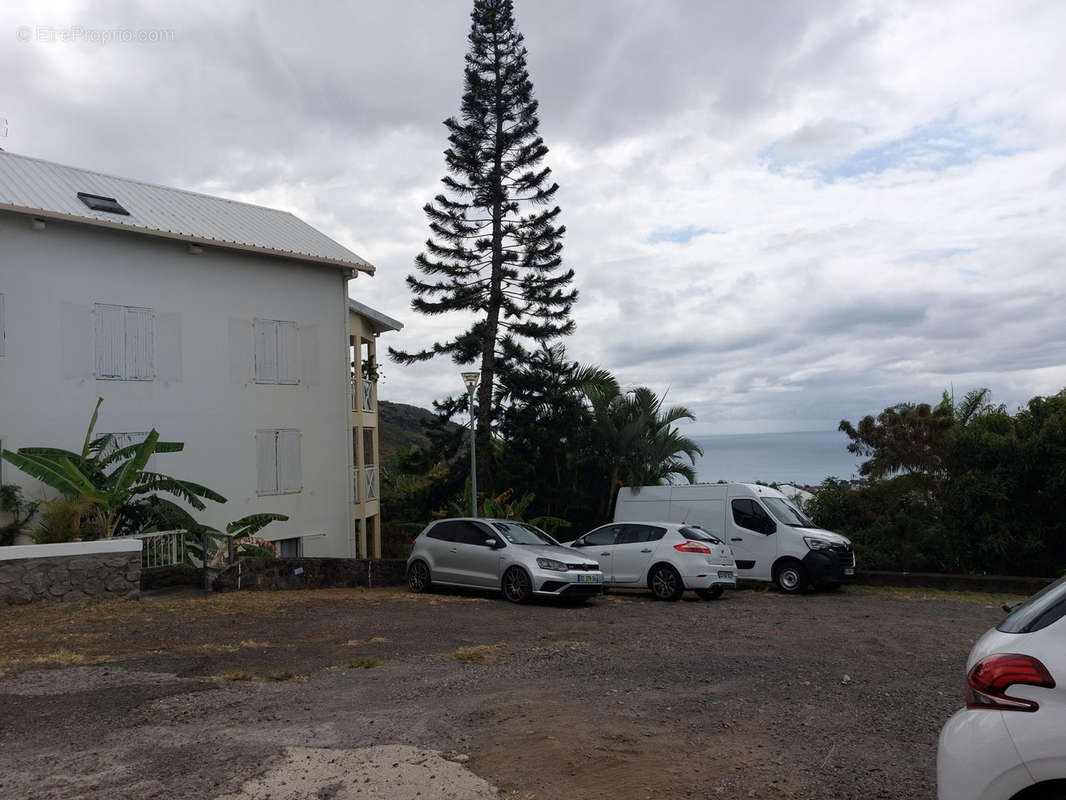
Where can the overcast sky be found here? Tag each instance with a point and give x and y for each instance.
(784, 213)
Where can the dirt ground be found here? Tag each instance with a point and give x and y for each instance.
(756, 695)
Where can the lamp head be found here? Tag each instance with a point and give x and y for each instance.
(470, 379)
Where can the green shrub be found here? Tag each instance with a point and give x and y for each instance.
(66, 519)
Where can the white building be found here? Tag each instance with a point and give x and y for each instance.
(222, 325)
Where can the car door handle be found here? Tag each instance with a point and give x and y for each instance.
(645, 550)
(736, 539)
(604, 554)
(453, 550)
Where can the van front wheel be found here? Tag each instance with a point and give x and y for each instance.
(791, 577)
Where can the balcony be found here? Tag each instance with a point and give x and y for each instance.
(365, 485)
(363, 395)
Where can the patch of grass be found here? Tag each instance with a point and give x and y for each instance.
(916, 593)
(61, 656)
(285, 675)
(254, 643)
(220, 648)
(353, 643)
(332, 669)
(482, 654)
(365, 662)
(378, 640)
(236, 676)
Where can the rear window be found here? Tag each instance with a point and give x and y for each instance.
(1043, 608)
(698, 534)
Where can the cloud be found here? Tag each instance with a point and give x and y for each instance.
(782, 215)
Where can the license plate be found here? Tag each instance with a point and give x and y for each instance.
(725, 574)
(849, 571)
(590, 579)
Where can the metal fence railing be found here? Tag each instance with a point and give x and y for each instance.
(209, 551)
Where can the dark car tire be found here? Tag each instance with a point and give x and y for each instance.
(791, 577)
(665, 583)
(517, 586)
(710, 594)
(419, 579)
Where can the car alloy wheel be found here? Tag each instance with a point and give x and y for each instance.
(516, 585)
(666, 583)
(418, 580)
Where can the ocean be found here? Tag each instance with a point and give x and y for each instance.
(804, 458)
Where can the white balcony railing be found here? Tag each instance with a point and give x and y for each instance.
(370, 483)
(355, 482)
(363, 390)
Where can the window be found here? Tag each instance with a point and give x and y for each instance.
(471, 533)
(639, 534)
(97, 202)
(124, 343)
(444, 532)
(698, 534)
(278, 462)
(749, 514)
(603, 537)
(289, 548)
(1043, 608)
(275, 352)
(1, 324)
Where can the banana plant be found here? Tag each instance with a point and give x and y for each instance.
(124, 495)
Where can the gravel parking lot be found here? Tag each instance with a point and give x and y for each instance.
(757, 695)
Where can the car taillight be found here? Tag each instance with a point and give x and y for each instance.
(413, 541)
(692, 547)
(988, 681)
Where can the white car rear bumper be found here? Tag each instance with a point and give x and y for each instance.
(977, 759)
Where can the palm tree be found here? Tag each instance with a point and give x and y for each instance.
(640, 442)
(123, 495)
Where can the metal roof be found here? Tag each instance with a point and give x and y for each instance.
(50, 191)
(378, 321)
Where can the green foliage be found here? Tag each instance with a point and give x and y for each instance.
(20, 511)
(568, 436)
(959, 487)
(123, 495)
(65, 519)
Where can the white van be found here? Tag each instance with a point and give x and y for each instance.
(772, 539)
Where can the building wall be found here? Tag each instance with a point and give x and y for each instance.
(203, 394)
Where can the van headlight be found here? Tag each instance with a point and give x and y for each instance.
(816, 544)
(552, 564)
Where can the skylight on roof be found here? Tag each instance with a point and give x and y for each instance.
(100, 203)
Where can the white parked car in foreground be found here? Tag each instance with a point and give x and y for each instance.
(1009, 743)
(665, 557)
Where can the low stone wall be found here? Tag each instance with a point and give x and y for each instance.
(265, 574)
(173, 575)
(997, 584)
(67, 572)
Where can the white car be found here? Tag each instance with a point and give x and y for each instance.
(666, 557)
(1009, 743)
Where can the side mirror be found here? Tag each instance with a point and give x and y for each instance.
(493, 543)
(577, 543)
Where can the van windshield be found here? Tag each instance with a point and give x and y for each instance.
(786, 513)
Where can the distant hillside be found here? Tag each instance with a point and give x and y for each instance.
(400, 427)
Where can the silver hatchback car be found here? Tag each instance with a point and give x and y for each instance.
(515, 558)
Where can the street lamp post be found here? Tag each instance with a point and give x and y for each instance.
(470, 380)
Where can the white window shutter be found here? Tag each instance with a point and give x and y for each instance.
(266, 461)
(266, 351)
(288, 353)
(139, 345)
(2, 328)
(110, 337)
(290, 477)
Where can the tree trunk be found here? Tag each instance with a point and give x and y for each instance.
(492, 320)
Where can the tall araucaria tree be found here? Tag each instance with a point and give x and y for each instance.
(495, 250)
